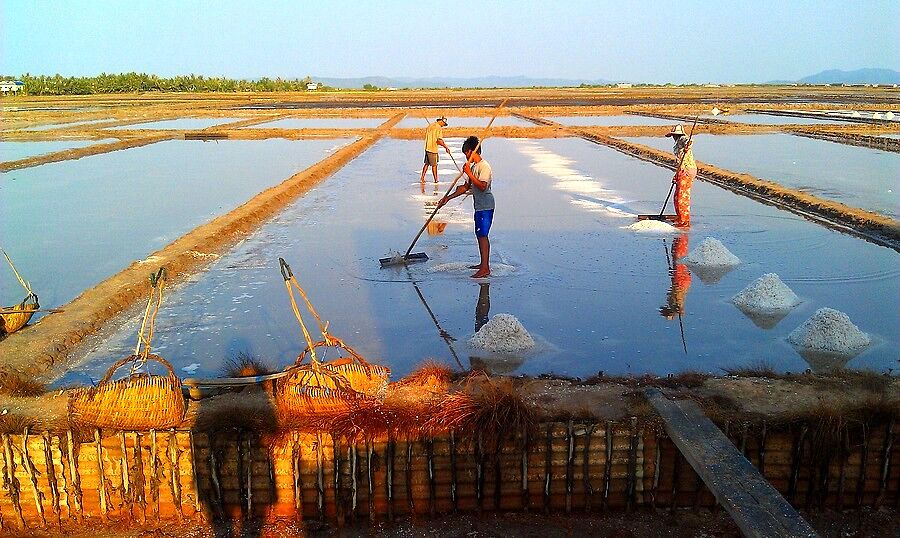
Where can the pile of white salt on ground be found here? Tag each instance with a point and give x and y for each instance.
(651, 226)
(502, 334)
(830, 332)
(711, 260)
(766, 300)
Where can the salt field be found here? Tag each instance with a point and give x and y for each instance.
(321, 123)
(180, 123)
(65, 125)
(858, 177)
(15, 150)
(772, 119)
(608, 121)
(419, 122)
(81, 221)
(593, 294)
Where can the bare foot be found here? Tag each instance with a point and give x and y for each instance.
(482, 273)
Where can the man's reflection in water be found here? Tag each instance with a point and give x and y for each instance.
(483, 306)
(681, 279)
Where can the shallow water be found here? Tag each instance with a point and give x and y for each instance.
(321, 123)
(589, 291)
(63, 125)
(605, 121)
(15, 150)
(853, 175)
(415, 122)
(771, 119)
(180, 123)
(75, 223)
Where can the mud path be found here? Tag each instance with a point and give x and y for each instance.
(45, 346)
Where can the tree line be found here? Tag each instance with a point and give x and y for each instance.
(142, 82)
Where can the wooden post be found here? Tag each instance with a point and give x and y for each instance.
(218, 500)
(408, 476)
(479, 473)
(248, 453)
(174, 456)
(50, 471)
(429, 455)
(570, 464)
(353, 457)
(127, 497)
(526, 496)
(389, 477)
(73, 472)
(296, 461)
(154, 475)
(370, 478)
(586, 468)
(195, 480)
(140, 479)
(320, 479)
(453, 484)
(104, 502)
(548, 466)
(886, 454)
(10, 480)
(631, 497)
(607, 465)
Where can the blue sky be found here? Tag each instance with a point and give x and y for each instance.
(650, 41)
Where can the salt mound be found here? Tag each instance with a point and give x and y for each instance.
(497, 269)
(768, 294)
(829, 331)
(652, 226)
(503, 334)
(711, 253)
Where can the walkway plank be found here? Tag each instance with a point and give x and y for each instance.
(755, 506)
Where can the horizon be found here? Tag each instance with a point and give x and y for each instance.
(734, 43)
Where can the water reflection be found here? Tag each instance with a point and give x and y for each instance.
(821, 362)
(681, 282)
(483, 306)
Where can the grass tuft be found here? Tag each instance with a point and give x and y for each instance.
(246, 365)
(759, 368)
(14, 385)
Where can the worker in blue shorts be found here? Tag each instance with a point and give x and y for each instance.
(478, 183)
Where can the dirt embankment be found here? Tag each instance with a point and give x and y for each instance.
(33, 353)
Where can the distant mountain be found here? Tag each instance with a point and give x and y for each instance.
(859, 76)
(450, 82)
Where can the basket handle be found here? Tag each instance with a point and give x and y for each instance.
(286, 272)
(332, 341)
(130, 358)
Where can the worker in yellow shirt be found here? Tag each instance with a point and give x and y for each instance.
(433, 139)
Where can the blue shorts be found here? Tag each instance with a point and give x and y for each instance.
(483, 221)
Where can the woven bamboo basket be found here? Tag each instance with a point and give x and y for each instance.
(12, 318)
(359, 375)
(136, 402)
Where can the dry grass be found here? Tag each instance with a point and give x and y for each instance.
(427, 373)
(13, 423)
(246, 365)
(759, 368)
(13, 385)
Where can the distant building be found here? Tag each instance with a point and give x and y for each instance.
(312, 86)
(623, 85)
(11, 86)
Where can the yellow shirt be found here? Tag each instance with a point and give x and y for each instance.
(432, 134)
(688, 161)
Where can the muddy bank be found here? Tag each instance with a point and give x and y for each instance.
(78, 153)
(47, 344)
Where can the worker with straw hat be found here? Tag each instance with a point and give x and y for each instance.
(433, 139)
(684, 176)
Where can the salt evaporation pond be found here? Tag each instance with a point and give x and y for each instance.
(180, 123)
(74, 223)
(13, 150)
(321, 123)
(771, 119)
(856, 176)
(588, 291)
(65, 125)
(608, 121)
(419, 121)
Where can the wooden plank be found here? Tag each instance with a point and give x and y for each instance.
(755, 506)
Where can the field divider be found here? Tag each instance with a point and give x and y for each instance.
(47, 346)
(77, 153)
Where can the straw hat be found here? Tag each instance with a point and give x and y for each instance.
(676, 131)
(443, 119)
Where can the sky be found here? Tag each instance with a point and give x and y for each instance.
(624, 40)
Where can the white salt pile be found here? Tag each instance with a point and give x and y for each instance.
(829, 331)
(767, 295)
(502, 334)
(652, 227)
(711, 253)
(497, 269)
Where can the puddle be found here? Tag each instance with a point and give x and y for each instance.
(856, 176)
(598, 297)
(771, 119)
(74, 223)
(64, 125)
(180, 123)
(607, 121)
(415, 122)
(14, 150)
(321, 123)
(890, 136)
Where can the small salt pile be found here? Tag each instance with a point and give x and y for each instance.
(768, 294)
(829, 331)
(652, 226)
(766, 301)
(502, 334)
(711, 253)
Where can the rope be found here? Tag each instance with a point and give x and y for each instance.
(21, 280)
(309, 342)
(145, 335)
